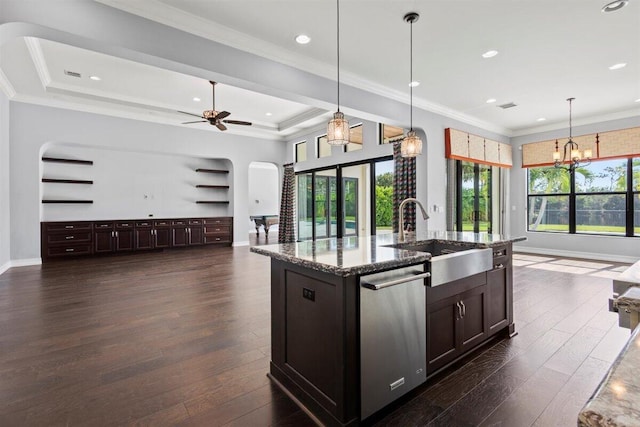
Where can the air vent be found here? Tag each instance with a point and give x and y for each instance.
(72, 73)
(508, 105)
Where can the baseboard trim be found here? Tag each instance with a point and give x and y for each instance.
(574, 254)
(243, 243)
(20, 263)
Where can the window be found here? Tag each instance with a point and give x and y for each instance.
(390, 134)
(600, 198)
(477, 201)
(355, 139)
(323, 147)
(301, 151)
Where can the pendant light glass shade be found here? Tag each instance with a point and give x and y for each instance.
(338, 127)
(411, 145)
(338, 130)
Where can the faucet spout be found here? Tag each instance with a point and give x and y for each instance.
(425, 216)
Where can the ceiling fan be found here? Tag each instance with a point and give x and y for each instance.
(215, 118)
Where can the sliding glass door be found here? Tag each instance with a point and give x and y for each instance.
(326, 209)
(475, 197)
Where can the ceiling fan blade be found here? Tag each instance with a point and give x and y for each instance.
(221, 126)
(191, 114)
(197, 121)
(222, 115)
(237, 122)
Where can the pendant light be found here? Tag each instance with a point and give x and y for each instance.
(571, 152)
(338, 127)
(411, 145)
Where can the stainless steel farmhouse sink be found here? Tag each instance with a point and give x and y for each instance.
(451, 261)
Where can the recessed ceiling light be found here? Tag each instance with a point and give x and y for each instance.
(618, 66)
(491, 100)
(614, 5)
(490, 54)
(541, 119)
(196, 99)
(414, 83)
(302, 39)
(96, 78)
(268, 114)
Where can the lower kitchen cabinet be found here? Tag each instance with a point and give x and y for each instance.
(67, 239)
(455, 324)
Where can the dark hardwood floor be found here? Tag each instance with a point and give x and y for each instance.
(181, 337)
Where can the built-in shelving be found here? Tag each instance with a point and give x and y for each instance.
(67, 201)
(212, 170)
(61, 160)
(222, 202)
(212, 186)
(67, 181)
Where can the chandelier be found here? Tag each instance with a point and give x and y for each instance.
(571, 152)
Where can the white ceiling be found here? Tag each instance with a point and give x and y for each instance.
(549, 50)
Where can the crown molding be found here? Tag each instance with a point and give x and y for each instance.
(579, 122)
(6, 85)
(37, 56)
(301, 118)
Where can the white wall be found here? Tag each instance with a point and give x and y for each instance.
(132, 185)
(264, 191)
(5, 225)
(595, 247)
(58, 127)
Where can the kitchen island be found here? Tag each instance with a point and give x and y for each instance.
(358, 322)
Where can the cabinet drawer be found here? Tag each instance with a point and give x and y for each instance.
(124, 225)
(66, 226)
(103, 225)
(58, 238)
(162, 223)
(68, 250)
(217, 239)
(220, 220)
(195, 222)
(217, 229)
(179, 222)
(143, 224)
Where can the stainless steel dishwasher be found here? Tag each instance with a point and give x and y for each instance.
(392, 336)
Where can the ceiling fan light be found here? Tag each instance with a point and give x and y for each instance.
(411, 145)
(209, 114)
(338, 130)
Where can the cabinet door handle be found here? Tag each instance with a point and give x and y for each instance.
(69, 237)
(498, 266)
(464, 309)
(69, 250)
(459, 309)
(116, 234)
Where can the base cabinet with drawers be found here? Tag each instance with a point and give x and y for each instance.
(63, 239)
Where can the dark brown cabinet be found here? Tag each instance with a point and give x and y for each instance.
(64, 239)
(456, 323)
(103, 237)
(124, 236)
(218, 230)
(162, 234)
(196, 232)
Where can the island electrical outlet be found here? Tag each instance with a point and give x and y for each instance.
(308, 294)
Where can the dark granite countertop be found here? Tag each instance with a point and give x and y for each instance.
(361, 255)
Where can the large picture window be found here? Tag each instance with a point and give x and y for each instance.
(600, 198)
